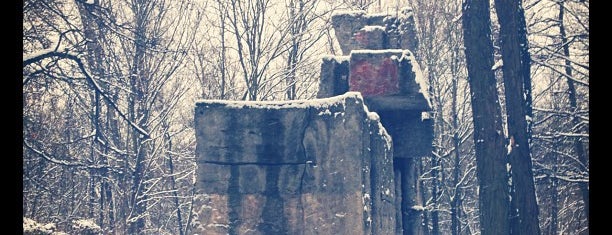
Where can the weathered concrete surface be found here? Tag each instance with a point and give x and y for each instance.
(401, 30)
(386, 73)
(334, 76)
(301, 167)
(388, 79)
(371, 37)
(354, 30)
(345, 25)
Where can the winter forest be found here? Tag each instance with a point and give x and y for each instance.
(109, 88)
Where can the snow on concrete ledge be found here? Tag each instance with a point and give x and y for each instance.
(386, 51)
(349, 13)
(418, 76)
(369, 28)
(315, 103)
(336, 58)
(258, 160)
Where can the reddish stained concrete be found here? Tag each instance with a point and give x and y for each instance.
(374, 79)
(361, 37)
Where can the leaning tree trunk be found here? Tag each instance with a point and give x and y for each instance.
(488, 132)
(519, 154)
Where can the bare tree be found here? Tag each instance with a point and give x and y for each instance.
(572, 95)
(257, 44)
(443, 64)
(524, 204)
(488, 132)
(110, 149)
(561, 119)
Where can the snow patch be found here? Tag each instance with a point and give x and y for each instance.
(378, 14)
(426, 115)
(316, 103)
(38, 53)
(373, 116)
(498, 64)
(418, 75)
(325, 112)
(86, 225)
(397, 51)
(370, 28)
(357, 13)
(218, 225)
(33, 227)
(337, 58)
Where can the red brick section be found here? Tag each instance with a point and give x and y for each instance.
(374, 77)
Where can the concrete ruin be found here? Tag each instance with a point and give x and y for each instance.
(356, 30)
(323, 166)
(299, 167)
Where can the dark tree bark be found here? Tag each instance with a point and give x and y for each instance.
(554, 199)
(488, 132)
(525, 205)
(456, 198)
(526, 68)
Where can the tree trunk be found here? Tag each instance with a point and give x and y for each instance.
(456, 197)
(423, 195)
(93, 32)
(179, 217)
(436, 184)
(554, 199)
(578, 146)
(138, 82)
(488, 132)
(222, 18)
(296, 31)
(526, 69)
(519, 154)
